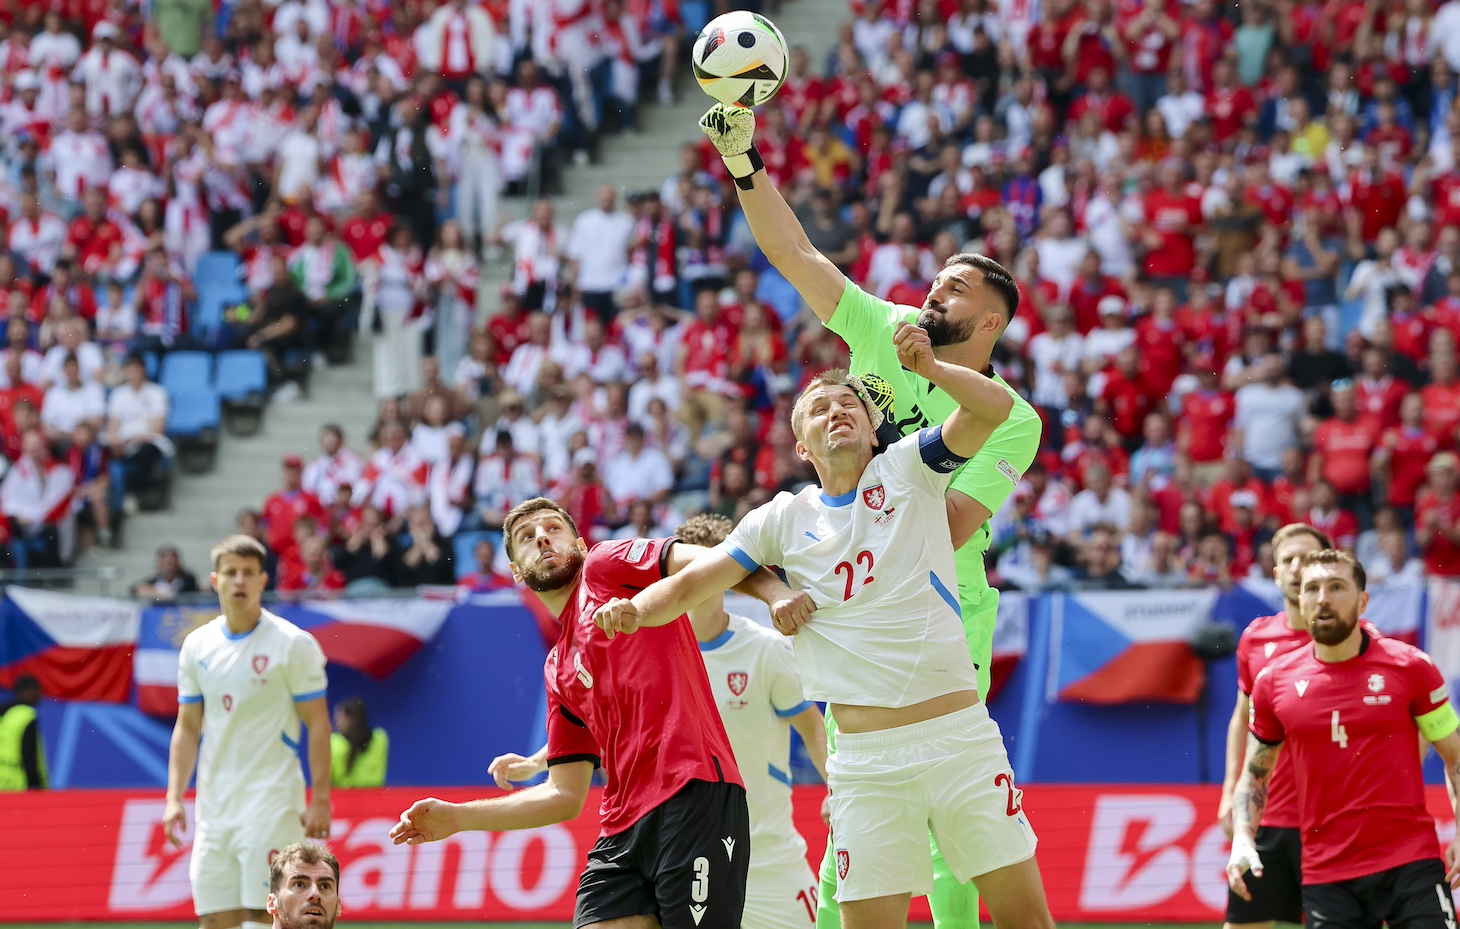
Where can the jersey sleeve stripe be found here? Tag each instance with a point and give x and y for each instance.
(935, 451)
(312, 695)
(189, 698)
(293, 745)
(742, 559)
(1439, 722)
(948, 598)
(796, 710)
(778, 775)
(569, 759)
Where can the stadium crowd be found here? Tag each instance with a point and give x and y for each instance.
(1235, 230)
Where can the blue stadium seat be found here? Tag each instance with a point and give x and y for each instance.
(241, 373)
(193, 412)
(149, 361)
(464, 548)
(214, 267)
(219, 287)
(184, 372)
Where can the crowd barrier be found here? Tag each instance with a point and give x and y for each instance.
(1108, 854)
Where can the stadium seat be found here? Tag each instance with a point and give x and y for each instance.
(185, 372)
(192, 424)
(242, 382)
(464, 546)
(218, 286)
(149, 361)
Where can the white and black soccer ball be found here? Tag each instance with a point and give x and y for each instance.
(740, 58)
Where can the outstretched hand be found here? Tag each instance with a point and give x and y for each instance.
(428, 820)
(731, 128)
(914, 349)
(1244, 859)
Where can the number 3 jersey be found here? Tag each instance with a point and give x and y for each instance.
(249, 686)
(879, 563)
(1351, 730)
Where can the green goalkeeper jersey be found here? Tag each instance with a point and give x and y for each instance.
(866, 323)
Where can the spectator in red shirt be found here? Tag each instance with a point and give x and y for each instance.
(1437, 517)
(1342, 446)
(1376, 197)
(1127, 398)
(93, 240)
(485, 577)
(1229, 105)
(1378, 393)
(1172, 219)
(1113, 107)
(285, 507)
(1442, 398)
(1402, 455)
(310, 570)
(1326, 515)
(1206, 418)
(1150, 36)
(1237, 477)
(1090, 287)
(703, 366)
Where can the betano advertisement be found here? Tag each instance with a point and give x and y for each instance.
(1109, 854)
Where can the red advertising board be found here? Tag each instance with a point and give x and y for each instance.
(1108, 854)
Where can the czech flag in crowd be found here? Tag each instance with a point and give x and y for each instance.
(78, 648)
(374, 637)
(1113, 647)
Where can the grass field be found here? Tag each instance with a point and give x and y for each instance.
(346, 924)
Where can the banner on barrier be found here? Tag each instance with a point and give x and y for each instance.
(1108, 854)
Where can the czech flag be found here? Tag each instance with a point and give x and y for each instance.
(1127, 647)
(78, 648)
(374, 637)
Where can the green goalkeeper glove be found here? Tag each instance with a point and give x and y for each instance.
(732, 131)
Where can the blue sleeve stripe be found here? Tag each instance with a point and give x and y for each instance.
(935, 451)
(778, 775)
(189, 698)
(796, 710)
(312, 695)
(742, 559)
(948, 598)
(293, 745)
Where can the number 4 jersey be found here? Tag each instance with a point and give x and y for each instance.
(878, 561)
(1351, 729)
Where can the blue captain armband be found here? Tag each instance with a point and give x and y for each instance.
(935, 451)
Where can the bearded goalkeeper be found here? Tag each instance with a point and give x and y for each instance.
(971, 303)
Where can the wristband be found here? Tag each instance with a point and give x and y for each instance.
(742, 166)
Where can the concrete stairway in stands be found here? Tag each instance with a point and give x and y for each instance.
(247, 471)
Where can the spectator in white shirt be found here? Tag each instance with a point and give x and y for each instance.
(527, 359)
(1060, 250)
(638, 472)
(81, 159)
(1180, 107)
(111, 77)
(37, 237)
(1052, 353)
(1100, 502)
(650, 384)
(1269, 418)
(525, 437)
(71, 343)
(598, 247)
(36, 498)
(337, 464)
(297, 167)
(1111, 338)
(71, 402)
(136, 419)
(595, 356)
(504, 479)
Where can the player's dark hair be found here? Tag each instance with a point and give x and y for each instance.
(244, 546)
(996, 276)
(527, 508)
(300, 853)
(706, 529)
(1295, 529)
(1333, 556)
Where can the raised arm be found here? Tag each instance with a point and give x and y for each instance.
(1248, 802)
(982, 404)
(776, 229)
(689, 584)
(1236, 748)
(558, 799)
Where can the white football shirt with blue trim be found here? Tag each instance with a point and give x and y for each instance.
(249, 685)
(879, 563)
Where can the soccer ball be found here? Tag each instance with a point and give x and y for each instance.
(740, 58)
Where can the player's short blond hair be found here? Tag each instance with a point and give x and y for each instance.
(833, 377)
(527, 508)
(300, 853)
(1296, 529)
(244, 546)
(706, 529)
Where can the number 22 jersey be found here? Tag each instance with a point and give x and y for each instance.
(1351, 729)
(878, 561)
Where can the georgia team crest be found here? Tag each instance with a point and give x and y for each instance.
(260, 662)
(737, 681)
(1376, 682)
(874, 497)
(843, 863)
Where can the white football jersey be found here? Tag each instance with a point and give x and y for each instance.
(249, 685)
(878, 561)
(753, 675)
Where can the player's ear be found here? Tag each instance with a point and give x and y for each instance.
(271, 905)
(1363, 602)
(582, 546)
(801, 451)
(213, 580)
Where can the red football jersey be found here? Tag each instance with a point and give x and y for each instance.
(1350, 730)
(1266, 639)
(641, 703)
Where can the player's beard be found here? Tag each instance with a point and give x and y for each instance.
(302, 921)
(934, 320)
(1329, 627)
(541, 577)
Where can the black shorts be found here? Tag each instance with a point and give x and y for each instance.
(684, 862)
(1278, 894)
(1411, 896)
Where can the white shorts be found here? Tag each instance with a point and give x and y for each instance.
(779, 895)
(230, 864)
(889, 788)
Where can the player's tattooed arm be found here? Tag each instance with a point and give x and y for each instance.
(1250, 797)
(1448, 748)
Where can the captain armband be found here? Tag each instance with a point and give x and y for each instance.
(1438, 723)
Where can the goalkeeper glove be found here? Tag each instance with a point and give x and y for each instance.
(732, 131)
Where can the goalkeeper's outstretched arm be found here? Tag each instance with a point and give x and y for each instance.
(776, 229)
